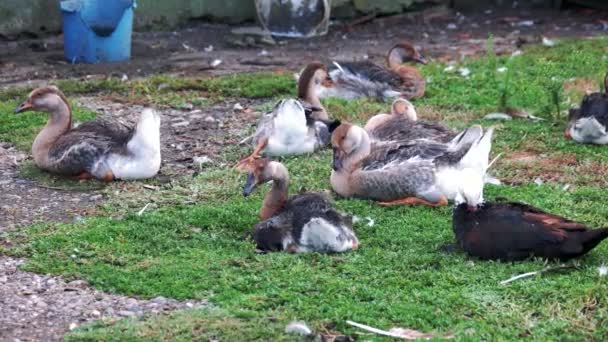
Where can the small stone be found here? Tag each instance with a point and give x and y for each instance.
(180, 124)
(95, 313)
(238, 106)
(210, 118)
(95, 198)
(201, 160)
(78, 284)
(209, 48)
(159, 300)
(215, 63)
(73, 326)
(125, 313)
(452, 26)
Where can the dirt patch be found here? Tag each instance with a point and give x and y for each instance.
(524, 166)
(23, 202)
(452, 36)
(42, 308)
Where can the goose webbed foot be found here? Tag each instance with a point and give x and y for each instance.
(82, 177)
(415, 201)
(245, 162)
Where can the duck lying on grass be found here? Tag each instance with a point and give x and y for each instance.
(511, 231)
(402, 124)
(102, 149)
(295, 126)
(301, 223)
(352, 80)
(588, 123)
(406, 172)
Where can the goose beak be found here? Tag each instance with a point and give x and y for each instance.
(421, 59)
(250, 185)
(567, 133)
(337, 160)
(24, 106)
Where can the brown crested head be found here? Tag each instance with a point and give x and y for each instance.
(339, 135)
(256, 174)
(43, 99)
(314, 73)
(405, 52)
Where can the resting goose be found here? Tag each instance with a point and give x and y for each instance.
(302, 223)
(588, 123)
(293, 126)
(403, 124)
(510, 231)
(352, 80)
(101, 148)
(406, 172)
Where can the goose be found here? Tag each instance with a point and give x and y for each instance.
(295, 126)
(302, 223)
(406, 172)
(351, 80)
(512, 231)
(402, 124)
(103, 149)
(588, 123)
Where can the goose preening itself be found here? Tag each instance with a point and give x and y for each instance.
(406, 172)
(402, 124)
(352, 80)
(295, 126)
(510, 231)
(101, 148)
(301, 223)
(588, 123)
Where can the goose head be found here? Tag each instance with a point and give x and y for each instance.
(470, 189)
(349, 143)
(404, 52)
(404, 108)
(45, 99)
(313, 76)
(261, 171)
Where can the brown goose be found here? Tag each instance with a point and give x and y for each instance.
(511, 231)
(406, 172)
(352, 80)
(302, 223)
(403, 124)
(101, 149)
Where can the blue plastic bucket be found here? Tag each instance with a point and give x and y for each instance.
(97, 31)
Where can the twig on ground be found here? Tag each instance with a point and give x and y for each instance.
(406, 334)
(539, 272)
(141, 212)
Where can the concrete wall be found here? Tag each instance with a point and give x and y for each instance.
(35, 16)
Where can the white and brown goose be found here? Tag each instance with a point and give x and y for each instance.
(102, 149)
(305, 222)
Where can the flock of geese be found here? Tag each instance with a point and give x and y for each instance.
(394, 159)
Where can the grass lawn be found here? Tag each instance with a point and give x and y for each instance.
(398, 277)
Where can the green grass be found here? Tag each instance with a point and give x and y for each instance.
(529, 81)
(193, 243)
(397, 278)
